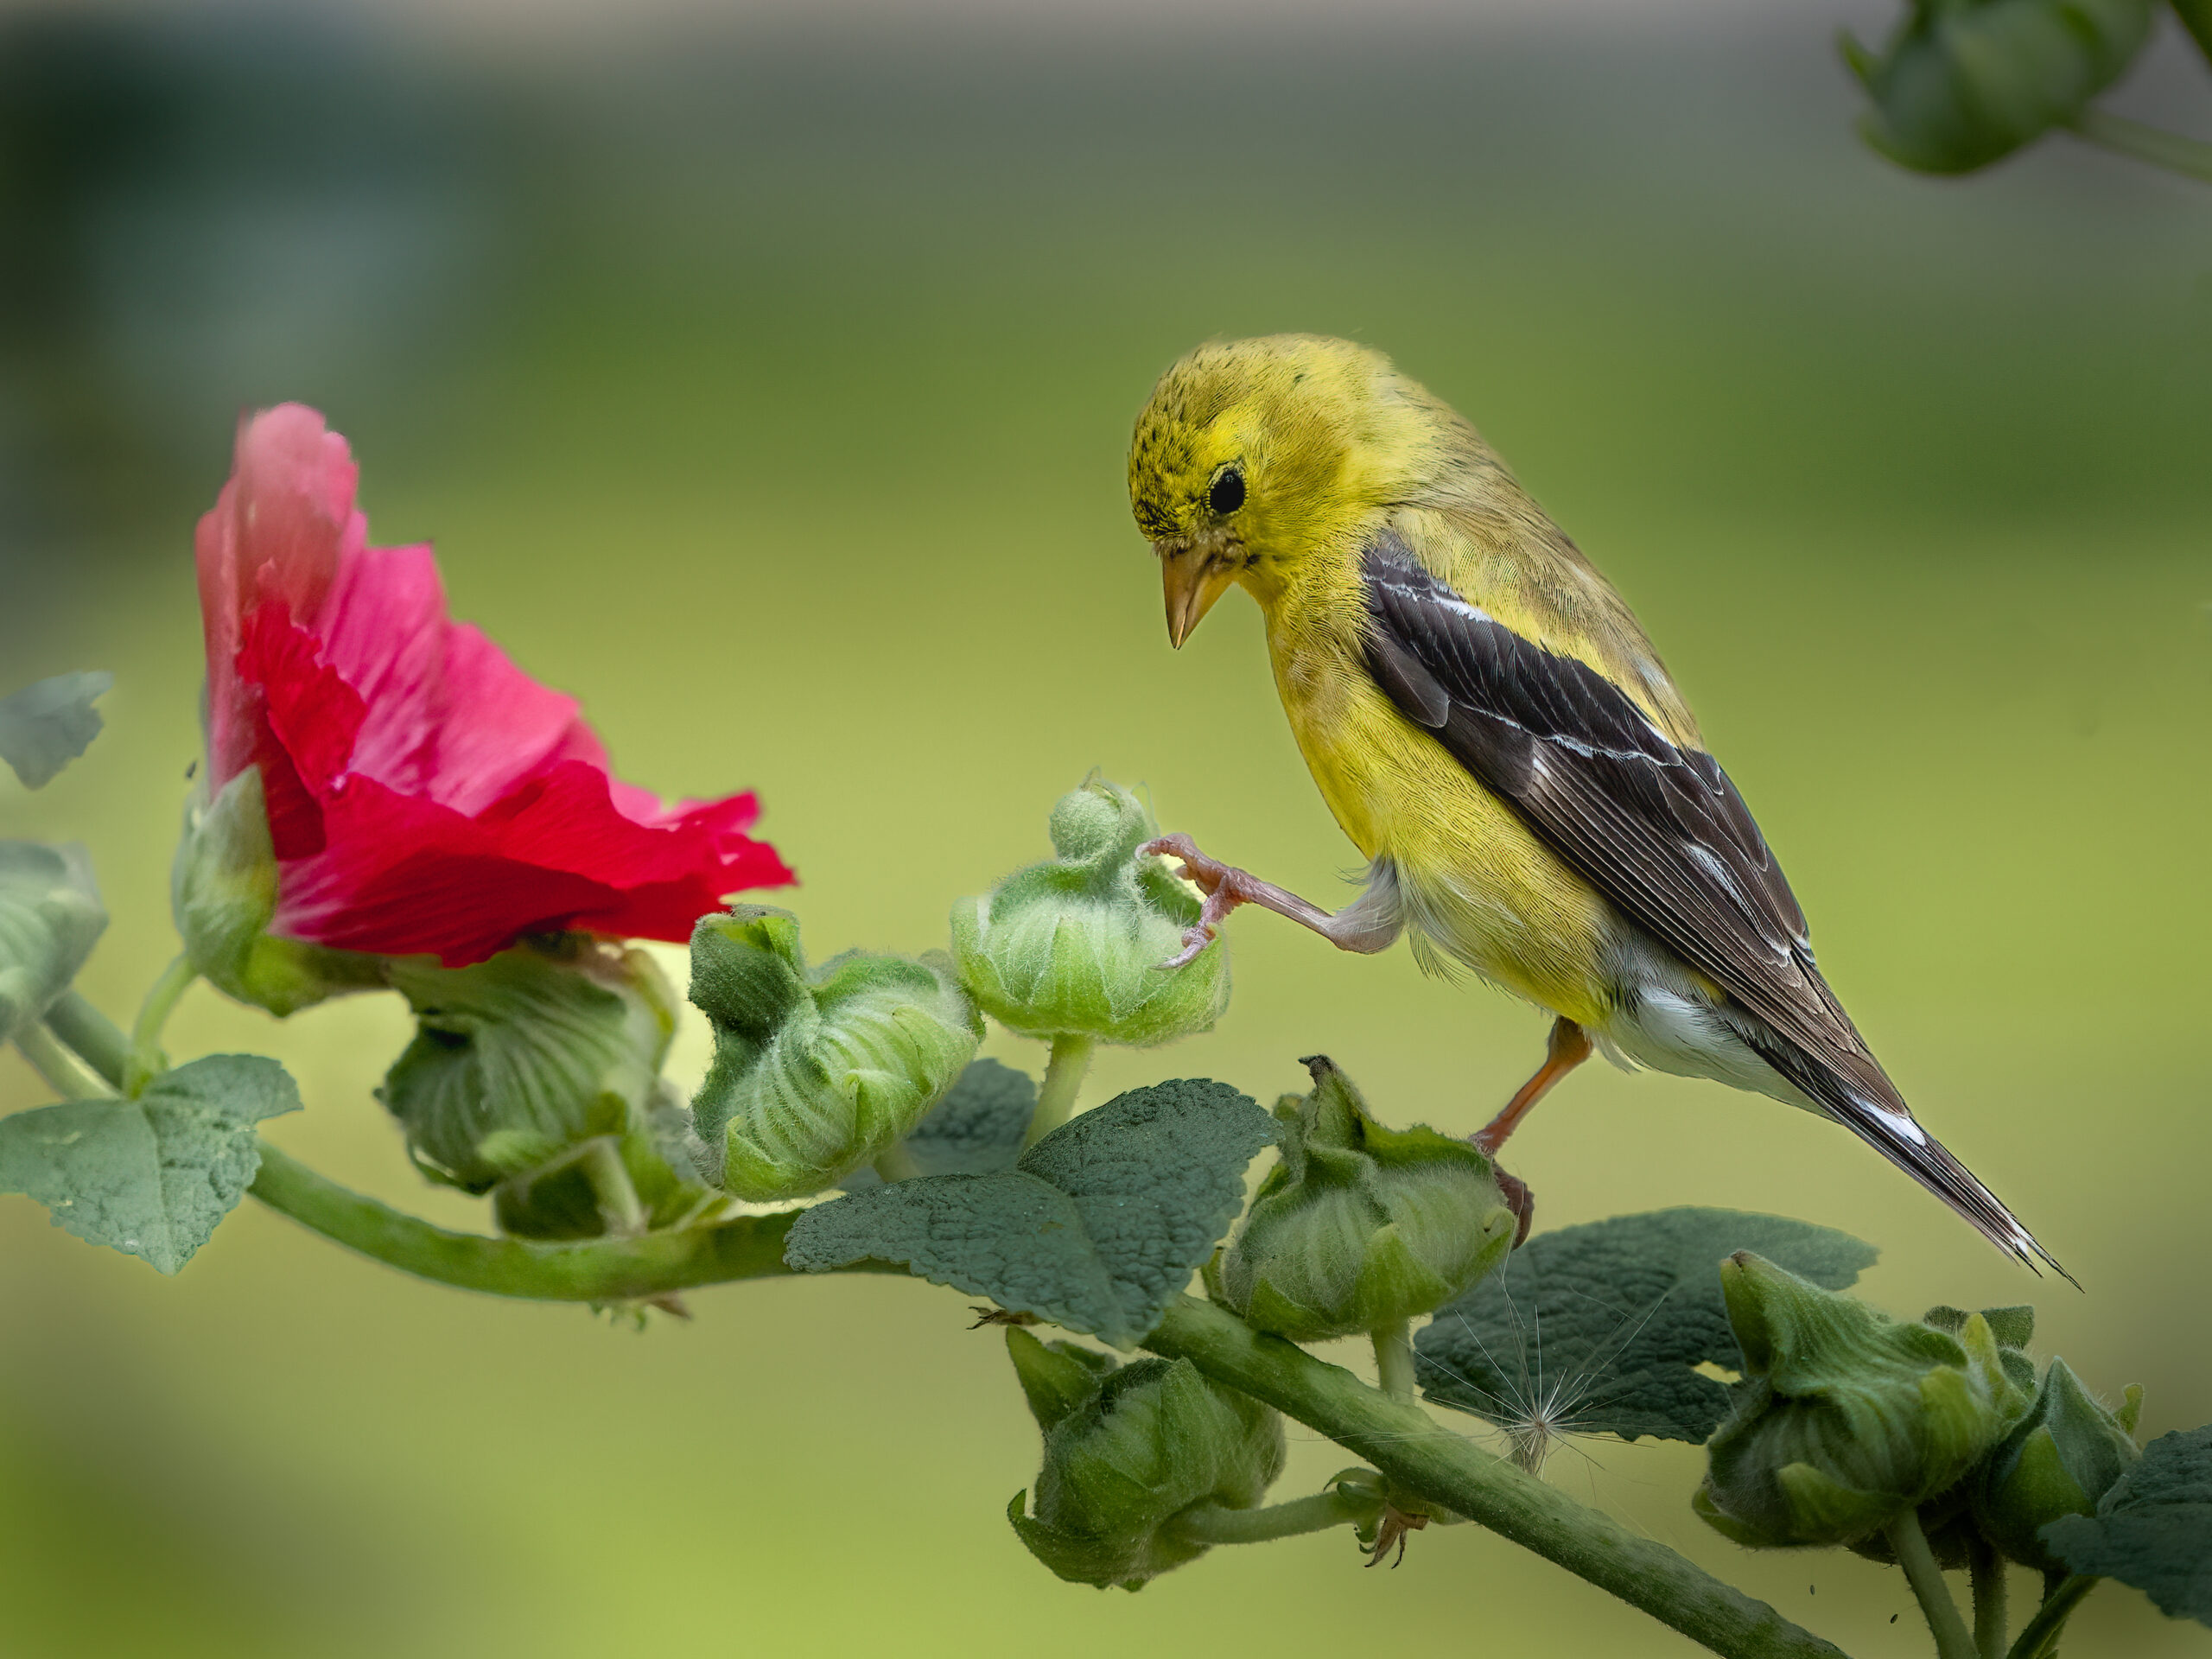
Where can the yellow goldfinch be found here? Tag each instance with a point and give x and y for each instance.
(1492, 729)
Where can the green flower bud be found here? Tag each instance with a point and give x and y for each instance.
(1359, 1226)
(1845, 1417)
(223, 893)
(816, 1071)
(50, 917)
(1963, 82)
(1126, 1452)
(2064, 1455)
(1073, 947)
(537, 1072)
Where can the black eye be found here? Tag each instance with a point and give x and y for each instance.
(1226, 493)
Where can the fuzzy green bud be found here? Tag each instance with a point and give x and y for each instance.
(1845, 1418)
(1964, 82)
(815, 1070)
(1359, 1226)
(537, 1072)
(50, 917)
(223, 893)
(1126, 1451)
(1073, 946)
(2065, 1454)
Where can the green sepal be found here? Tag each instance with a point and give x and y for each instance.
(1360, 1226)
(50, 917)
(978, 1128)
(223, 895)
(150, 1176)
(816, 1071)
(1149, 1440)
(1845, 1417)
(522, 1062)
(1056, 1377)
(1961, 83)
(2061, 1460)
(1073, 946)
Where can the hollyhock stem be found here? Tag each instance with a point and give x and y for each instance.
(147, 1061)
(1211, 1523)
(1911, 1546)
(95, 1038)
(1062, 1078)
(2039, 1636)
(1987, 1572)
(62, 1072)
(1394, 1360)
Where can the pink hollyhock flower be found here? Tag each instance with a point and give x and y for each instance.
(424, 795)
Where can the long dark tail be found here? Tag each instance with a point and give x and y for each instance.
(1892, 1131)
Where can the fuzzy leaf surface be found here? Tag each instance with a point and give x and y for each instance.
(1097, 1227)
(2154, 1528)
(49, 723)
(977, 1130)
(150, 1176)
(1599, 1329)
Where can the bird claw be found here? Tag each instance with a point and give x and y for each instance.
(1218, 881)
(1195, 939)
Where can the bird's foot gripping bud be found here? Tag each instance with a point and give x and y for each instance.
(816, 1071)
(223, 892)
(1845, 1420)
(1360, 1227)
(1141, 1462)
(535, 1076)
(1072, 946)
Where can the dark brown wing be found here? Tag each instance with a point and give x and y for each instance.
(1658, 829)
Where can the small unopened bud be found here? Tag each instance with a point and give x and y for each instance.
(1845, 1418)
(222, 891)
(1361, 1226)
(2064, 1456)
(50, 917)
(521, 1059)
(1126, 1452)
(1073, 947)
(815, 1070)
(1963, 82)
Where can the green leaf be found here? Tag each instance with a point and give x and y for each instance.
(150, 1176)
(977, 1130)
(1097, 1227)
(50, 917)
(1599, 1329)
(2154, 1528)
(49, 723)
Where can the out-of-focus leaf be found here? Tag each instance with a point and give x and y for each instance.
(49, 723)
(2154, 1528)
(153, 1176)
(50, 917)
(1097, 1227)
(977, 1130)
(1599, 1329)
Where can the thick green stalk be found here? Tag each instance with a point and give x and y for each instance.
(97, 1039)
(595, 1270)
(1987, 1571)
(2169, 150)
(1062, 1077)
(2038, 1637)
(1394, 1359)
(147, 1061)
(56, 1066)
(1405, 1444)
(1211, 1523)
(1909, 1544)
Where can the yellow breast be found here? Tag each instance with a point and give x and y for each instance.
(1476, 882)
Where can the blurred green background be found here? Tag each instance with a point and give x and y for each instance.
(764, 380)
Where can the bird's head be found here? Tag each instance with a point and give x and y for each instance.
(1252, 456)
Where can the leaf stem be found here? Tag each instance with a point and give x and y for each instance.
(63, 1072)
(1214, 1524)
(1071, 1052)
(1394, 1359)
(95, 1038)
(1909, 1544)
(2038, 1637)
(592, 1270)
(2169, 150)
(1409, 1447)
(147, 1061)
(1986, 1568)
